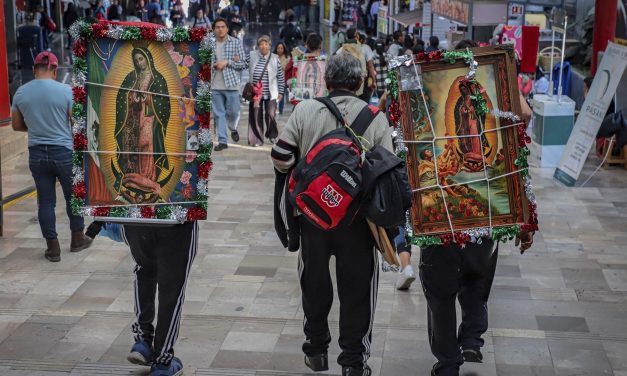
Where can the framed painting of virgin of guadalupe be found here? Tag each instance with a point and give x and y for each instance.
(141, 122)
(463, 154)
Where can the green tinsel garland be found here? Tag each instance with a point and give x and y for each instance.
(80, 65)
(204, 153)
(426, 241)
(118, 211)
(203, 103)
(181, 34)
(77, 158)
(521, 161)
(451, 56)
(131, 33)
(85, 30)
(76, 204)
(506, 233)
(77, 110)
(480, 104)
(201, 201)
(392, 85)
(164, 212)
(204, 56)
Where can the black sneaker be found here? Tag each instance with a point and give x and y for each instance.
(472, 356)
(235, 136)
(220, 147)
(317, 363)
(354, 371)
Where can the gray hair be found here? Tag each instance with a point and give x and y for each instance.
(343, 72)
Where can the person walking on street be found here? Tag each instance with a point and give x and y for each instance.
(434, 44)
(286, 59)
(264, 68)
(42, 108)
(365, 55)
(201, 21)
(163, 258)
(353, 245)
(227, 63)
(338, 37)
(176, 15)
(395, 48)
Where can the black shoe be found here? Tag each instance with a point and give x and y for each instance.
(354, 371)
(317, 363)
(220, 147)
(472, 356)
(235, 136)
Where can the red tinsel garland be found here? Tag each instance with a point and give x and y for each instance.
(80, 142)
(197, 34)
(205, 120)
(101, 212)
(79, 190)
(395, 111)
(204, 169)
(100, 29)
(80, 48)
(523, 137)
(205, 73)
(80, 95)
(147, 212)
(148, 33)
(195, 214)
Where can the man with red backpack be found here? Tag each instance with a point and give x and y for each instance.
(311, 131)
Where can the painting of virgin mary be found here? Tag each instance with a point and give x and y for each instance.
(142, 114)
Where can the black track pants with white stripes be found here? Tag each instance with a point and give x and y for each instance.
(163, 257)
(357, 272)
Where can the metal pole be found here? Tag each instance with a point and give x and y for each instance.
(471, 9)
(551, 68)
(559, 87)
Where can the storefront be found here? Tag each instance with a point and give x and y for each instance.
(474, 19)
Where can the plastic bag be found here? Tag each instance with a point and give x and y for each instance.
(112, 231)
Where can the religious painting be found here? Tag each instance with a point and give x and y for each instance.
(461, 158)
(308, 82)
(148, 155)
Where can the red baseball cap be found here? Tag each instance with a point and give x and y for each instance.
(52, 59)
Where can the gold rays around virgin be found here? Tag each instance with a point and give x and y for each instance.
(175, 135)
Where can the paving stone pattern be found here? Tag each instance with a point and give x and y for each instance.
(560, 309)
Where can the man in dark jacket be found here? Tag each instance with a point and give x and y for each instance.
(352, 246)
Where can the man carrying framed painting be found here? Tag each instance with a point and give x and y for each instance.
(466, 158)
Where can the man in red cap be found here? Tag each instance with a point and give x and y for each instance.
(42, 108)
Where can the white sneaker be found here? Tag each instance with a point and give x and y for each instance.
(406, 278)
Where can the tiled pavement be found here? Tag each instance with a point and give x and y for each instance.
(560, 309)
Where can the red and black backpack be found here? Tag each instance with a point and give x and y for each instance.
(326, 185)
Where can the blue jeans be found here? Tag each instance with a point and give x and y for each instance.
(48, 163)
(226, 111)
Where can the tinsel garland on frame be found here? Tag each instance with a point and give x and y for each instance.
(501, 233)
(83, 33)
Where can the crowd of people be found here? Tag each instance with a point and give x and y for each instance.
(355, 76)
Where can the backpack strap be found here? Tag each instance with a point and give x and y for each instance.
(361, 122)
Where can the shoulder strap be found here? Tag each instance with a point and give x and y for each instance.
(361, 122)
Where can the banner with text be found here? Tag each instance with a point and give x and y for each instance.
(592, 113)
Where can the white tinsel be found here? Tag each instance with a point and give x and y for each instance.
(75, 29)
(78, 125)
(202, 187)
(477, 233)
(208, 42)
(78, 175)
(203, 88)
(179, 214)
(396, 62)
(79, 79)
(472, 69)
(164, 34)
(87, 212)
(134, 212)
(204, 136)
(505, 115)
(531, 196)
(115, 32)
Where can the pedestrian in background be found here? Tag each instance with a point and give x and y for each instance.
(227, 62)
(42, 107)
(176, 15)
(268, 78)
(201, 21)
(286, 59)
(434, 44)
(396, 45)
